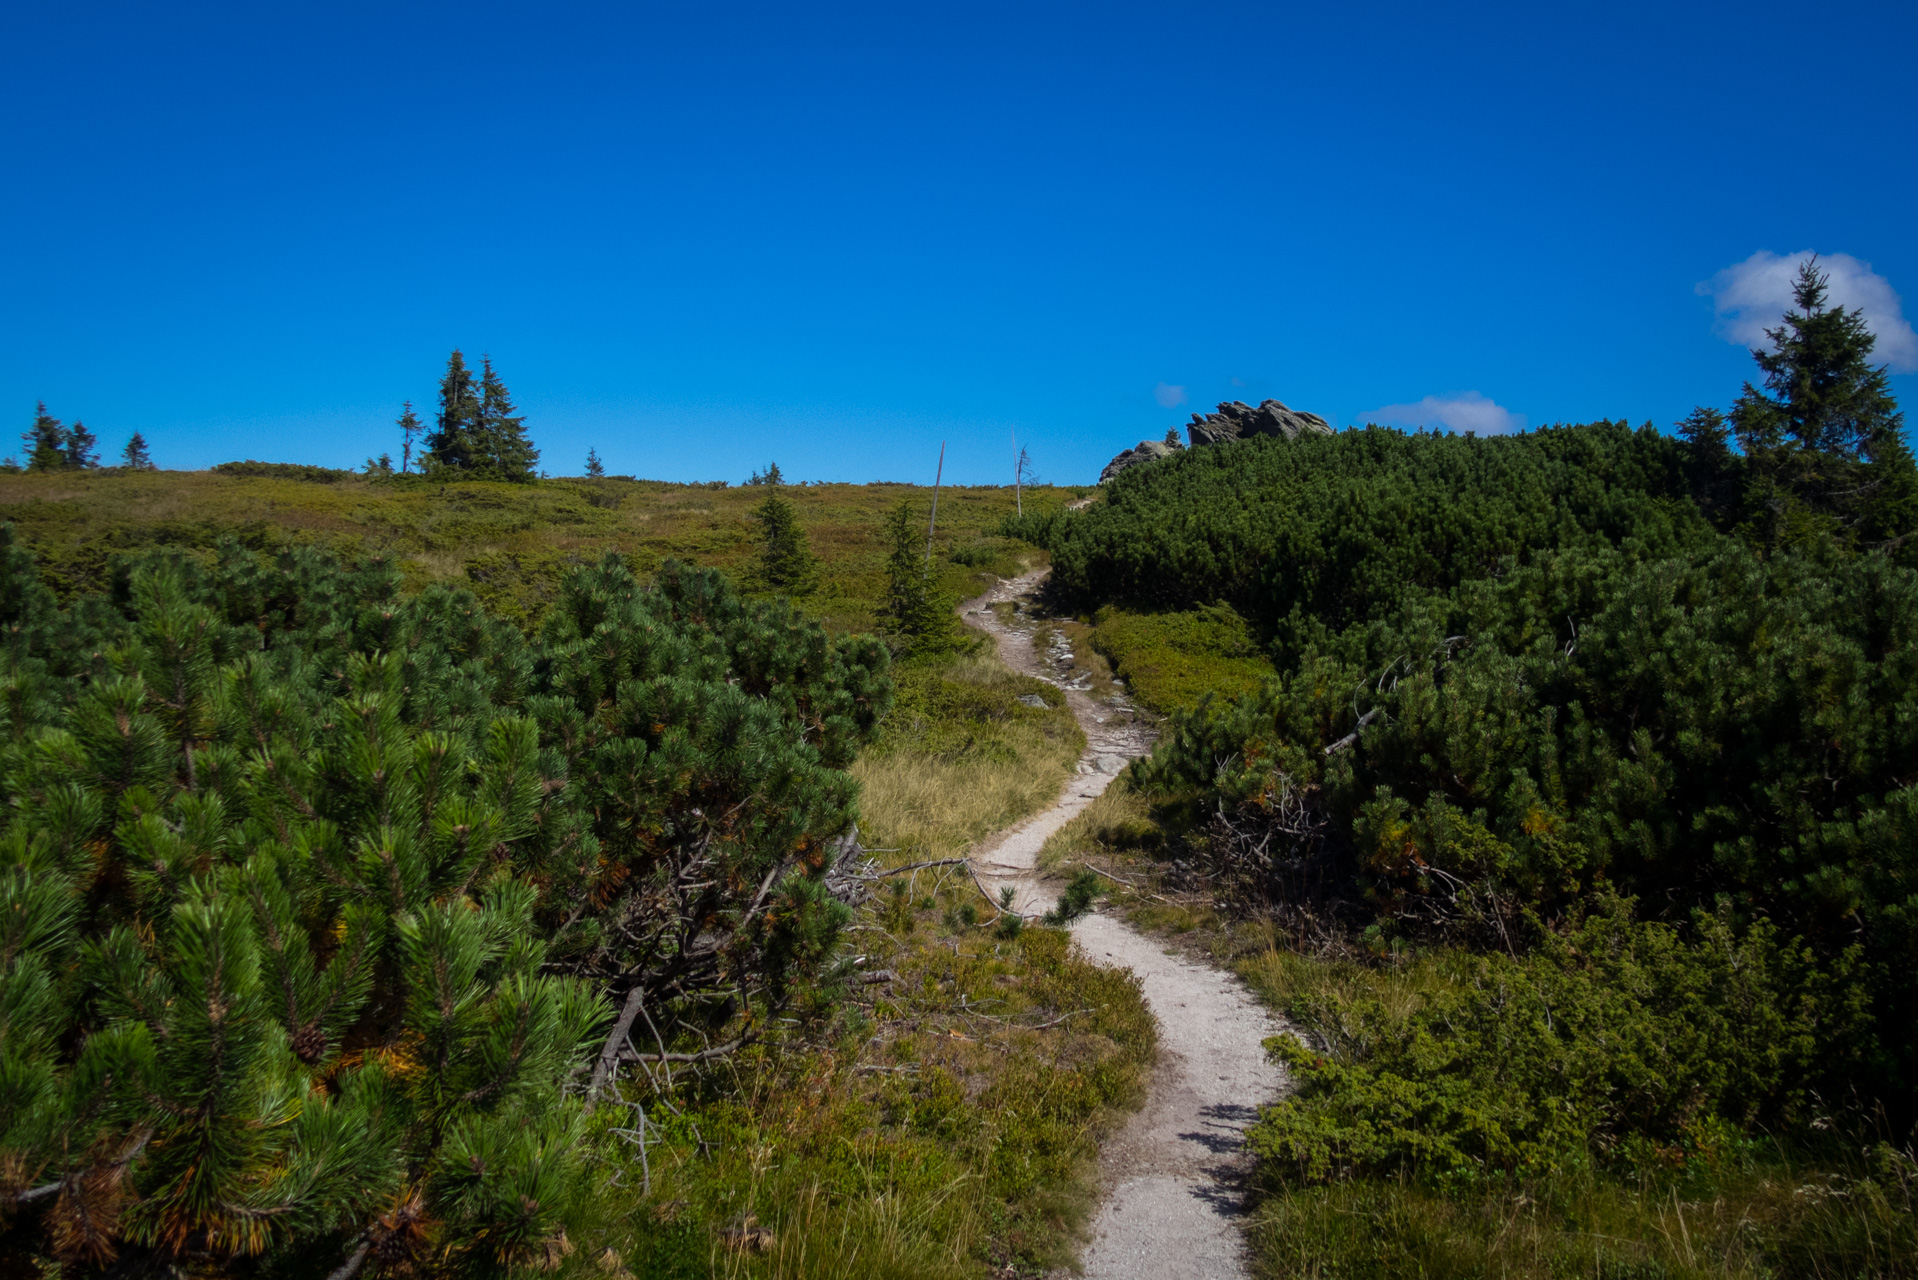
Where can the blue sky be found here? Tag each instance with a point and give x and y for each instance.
(701, 237)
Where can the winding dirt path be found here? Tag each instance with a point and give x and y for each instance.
(1172, 1178)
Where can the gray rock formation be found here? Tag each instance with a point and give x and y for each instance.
(1237, 420)
(1146, 452)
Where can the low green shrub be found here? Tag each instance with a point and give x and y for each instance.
(1614, 1043)
(283, 471)
(1174, 660)
(1077, 899)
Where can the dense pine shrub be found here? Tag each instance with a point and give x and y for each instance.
(1313, 534)
(1518, 675)
(1615, 1043)
(322, 911)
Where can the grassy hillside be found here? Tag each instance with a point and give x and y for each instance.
(508, 543)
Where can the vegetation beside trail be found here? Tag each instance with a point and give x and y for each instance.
(1573, 831)
(1170, 661)
(906, 1087)
(950, 1119)
(963, 757)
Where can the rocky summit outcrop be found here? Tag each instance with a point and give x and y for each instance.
(1146, 452)
(1237, 420)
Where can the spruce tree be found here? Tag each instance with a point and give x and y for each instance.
(410, 426)
(1824, 395)
(594, 467)
(80, 447)
(46, 441)
(786, 562)
(135, 456)
(502, 446)
(913, 610)
(1824, 441)
(452, 441)
(1711, 466)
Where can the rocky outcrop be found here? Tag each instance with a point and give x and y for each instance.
(1146, 452)
(1237, 420)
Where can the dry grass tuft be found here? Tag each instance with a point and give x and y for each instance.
(963, 758)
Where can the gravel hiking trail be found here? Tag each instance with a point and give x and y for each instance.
(1172, 1179)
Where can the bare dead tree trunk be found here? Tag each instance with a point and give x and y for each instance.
(609, 1055)
(937, 476)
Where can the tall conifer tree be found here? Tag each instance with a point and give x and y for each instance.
(501, 439)
(1824, 441)
(81, 447)
(451, 442)
(46, 441)
(1824, 393)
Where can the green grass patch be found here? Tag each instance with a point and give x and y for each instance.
(1172, 660)
(948, 1126)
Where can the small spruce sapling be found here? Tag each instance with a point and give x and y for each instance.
(410, 426)
(135, 456)
(786, 561)
(913, 610)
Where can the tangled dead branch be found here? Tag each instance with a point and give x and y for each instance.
(1276, 855)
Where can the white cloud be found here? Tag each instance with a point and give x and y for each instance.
(1169, 397)
(1752, 296)
(1466, 411)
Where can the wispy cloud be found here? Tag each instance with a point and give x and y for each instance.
(1465, 411)
(1168, 396)
(1752, 296)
